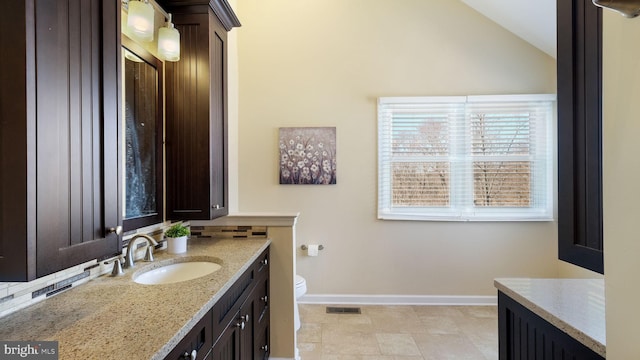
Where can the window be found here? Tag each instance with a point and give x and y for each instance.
(466, 158)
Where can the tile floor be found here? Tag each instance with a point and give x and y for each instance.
(399, 332)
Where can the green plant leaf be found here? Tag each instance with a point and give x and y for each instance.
(177, 230)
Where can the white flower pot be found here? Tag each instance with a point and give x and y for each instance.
(177, 245)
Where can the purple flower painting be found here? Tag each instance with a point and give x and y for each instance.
(308, 155)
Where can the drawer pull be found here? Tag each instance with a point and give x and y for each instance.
(240, 325)
(265, 261)
(244, 318)
(192, 356)
(265, 298)
(265, 348)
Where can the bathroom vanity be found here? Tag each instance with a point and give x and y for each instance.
(551, 318)
(115, 317)
(237, 326)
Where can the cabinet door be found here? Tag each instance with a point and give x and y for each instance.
(228, 345)
(219, 132)
(77, 131)
(196, 120)
(580, 239)
(236, 341)
(187, 121)
(64, 123)
(248, 314)
(261, 345)
(17, 161)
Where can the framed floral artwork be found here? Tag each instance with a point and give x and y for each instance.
(308, 155)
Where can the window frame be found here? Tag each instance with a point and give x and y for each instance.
(461, 180)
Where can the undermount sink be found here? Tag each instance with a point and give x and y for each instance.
(177, 272)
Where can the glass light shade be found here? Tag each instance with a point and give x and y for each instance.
(140, 20)
(169, 43)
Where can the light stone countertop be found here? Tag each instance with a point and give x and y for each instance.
(116, 318)
(575, 306)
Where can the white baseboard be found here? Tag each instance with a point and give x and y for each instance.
(275, 358)
(397, 299)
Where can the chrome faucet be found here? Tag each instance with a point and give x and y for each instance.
(151, 242)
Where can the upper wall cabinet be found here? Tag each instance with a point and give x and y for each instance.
(59, 118)
(196, 111)
(580, 133)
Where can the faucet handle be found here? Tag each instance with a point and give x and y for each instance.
(117, 266)
(148, 255)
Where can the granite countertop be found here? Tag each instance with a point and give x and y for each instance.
(575, 306)
(115, 318)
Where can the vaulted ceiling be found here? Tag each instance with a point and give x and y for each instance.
(532, 20)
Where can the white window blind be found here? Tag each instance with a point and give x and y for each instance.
(466, 158)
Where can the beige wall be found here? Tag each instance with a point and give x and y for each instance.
(324, 63)
(568, 270)
(621, 184)
(232, 91)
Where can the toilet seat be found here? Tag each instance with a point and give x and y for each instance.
(301, 286)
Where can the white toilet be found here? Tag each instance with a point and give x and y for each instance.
(301, 289)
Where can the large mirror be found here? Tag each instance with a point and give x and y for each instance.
(142, 136)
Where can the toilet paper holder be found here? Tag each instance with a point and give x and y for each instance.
(304, 247)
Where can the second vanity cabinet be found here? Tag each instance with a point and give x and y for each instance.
(237, 326)
(525, 335)
(59, 188)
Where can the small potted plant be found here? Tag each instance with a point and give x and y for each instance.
(177, 238)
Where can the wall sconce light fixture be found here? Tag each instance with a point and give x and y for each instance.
(140, 20)
(169, 42)
(628, 8)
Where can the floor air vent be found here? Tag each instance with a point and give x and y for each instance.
(343, 310)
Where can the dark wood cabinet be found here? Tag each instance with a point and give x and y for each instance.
(579, 62)
(237, 326)
(261, 317)
(196, 112)
(59, 93)
(524, 335)
(228, 345)
(197, 344)
(245, 333)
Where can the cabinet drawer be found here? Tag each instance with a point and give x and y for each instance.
(262, 302)
(225, 310)
(200, 339)
(262, 264)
